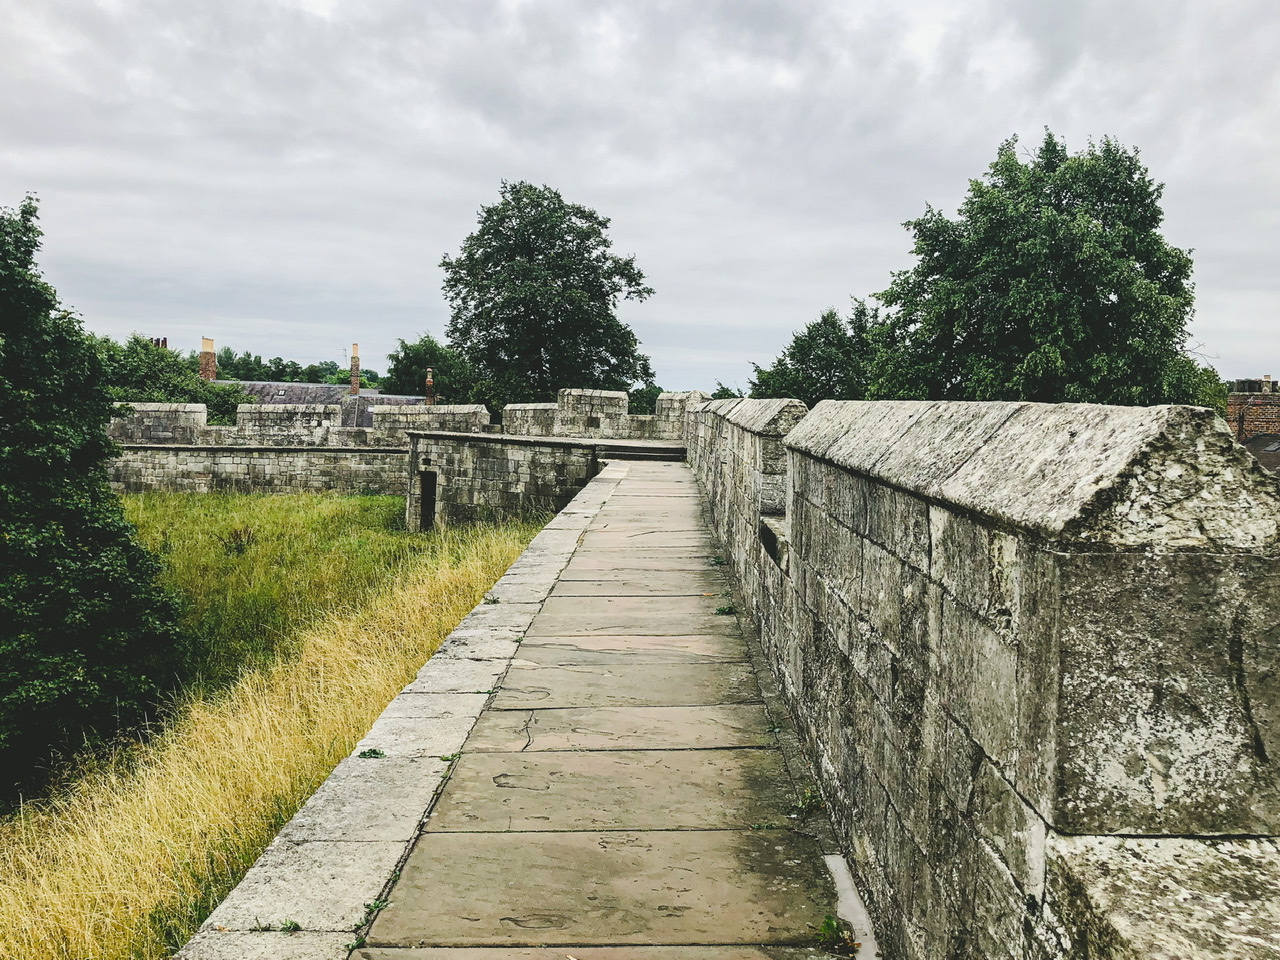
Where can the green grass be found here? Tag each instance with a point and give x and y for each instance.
(251, 571)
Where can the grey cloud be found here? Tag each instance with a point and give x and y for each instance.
(257, 172)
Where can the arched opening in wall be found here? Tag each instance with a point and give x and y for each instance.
(427, 480)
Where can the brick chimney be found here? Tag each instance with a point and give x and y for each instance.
(355, 369)
(208, 360)
(431, 387)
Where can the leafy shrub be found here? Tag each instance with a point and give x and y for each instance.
(87, 639)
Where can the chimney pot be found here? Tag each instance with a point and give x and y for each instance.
(208, 360)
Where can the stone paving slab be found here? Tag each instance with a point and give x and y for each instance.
(263, 945)
(695, 572)
(654, 493)
(626, 684)
(369, 799)
(624, 567)
(682, 952)
(622, 728)
(522, 589)
(654, 587)
(625, 552)
(682, 790)
(639, 623)
(687, 521)
(591, 888)
(627, 512)
(575, 650)
(613, 606)
(480, 646)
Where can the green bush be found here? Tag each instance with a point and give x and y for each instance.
(88, 641)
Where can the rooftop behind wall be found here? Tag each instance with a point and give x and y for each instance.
(1032, 648)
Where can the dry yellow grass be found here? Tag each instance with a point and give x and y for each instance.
(127, 861)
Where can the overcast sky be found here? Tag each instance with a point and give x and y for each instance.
(284, 175)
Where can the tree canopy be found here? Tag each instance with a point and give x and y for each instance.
(87, 639)
(830, 359)
(1053, 283)
(407, 374)
(533, 296)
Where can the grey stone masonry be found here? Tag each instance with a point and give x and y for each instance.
(1032, 649)
(460, 418)
(599, 414)
(285, 447)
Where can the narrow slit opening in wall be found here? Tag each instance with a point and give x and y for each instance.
(427, 499)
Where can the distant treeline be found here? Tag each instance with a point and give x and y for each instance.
(251, 366)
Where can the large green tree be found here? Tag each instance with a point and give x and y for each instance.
(534, 295)
(830, 359)
(1053, 283)
(87, 639)
(454, 379)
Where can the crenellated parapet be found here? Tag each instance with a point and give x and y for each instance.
(1032, 649)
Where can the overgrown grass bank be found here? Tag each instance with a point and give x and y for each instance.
(253, 570)
(126, 861)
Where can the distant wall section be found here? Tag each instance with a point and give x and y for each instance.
(455, 478)
(274, 447)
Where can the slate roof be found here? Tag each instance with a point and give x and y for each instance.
(354, 414)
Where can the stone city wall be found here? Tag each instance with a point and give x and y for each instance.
(254, 469)
(599, 414)
(456, 478)
(273, 447)
(1033, 651)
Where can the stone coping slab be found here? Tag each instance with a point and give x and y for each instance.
(622, 728)
(634, 622)
(1181, 897)
(267, 945)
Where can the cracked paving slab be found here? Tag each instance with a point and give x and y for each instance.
(623, 728)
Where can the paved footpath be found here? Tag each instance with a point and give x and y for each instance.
(625, 786)
(601, 775)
